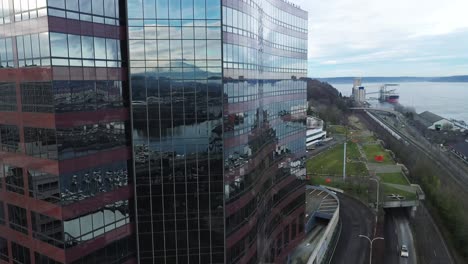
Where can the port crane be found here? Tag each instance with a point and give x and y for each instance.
(383, 92)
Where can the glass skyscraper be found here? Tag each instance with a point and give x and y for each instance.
(218, 127)
(151, 131)
(65, 144)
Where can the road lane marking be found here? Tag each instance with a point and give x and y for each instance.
(435, 253)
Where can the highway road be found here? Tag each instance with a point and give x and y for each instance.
(397, 233)
(356, 219)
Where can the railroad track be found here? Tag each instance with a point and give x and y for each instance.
(454, 172)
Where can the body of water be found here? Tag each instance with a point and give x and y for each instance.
(449, 100)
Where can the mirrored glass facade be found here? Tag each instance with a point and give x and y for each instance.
(151, 131)
(218, 128)
(65, 144)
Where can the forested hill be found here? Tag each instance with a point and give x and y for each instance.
(321, 92)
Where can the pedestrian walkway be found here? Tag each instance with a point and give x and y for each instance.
(383, 168)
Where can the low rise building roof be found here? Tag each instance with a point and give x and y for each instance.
(430, 117)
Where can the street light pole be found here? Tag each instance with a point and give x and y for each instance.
(378, 188)
(371, 242)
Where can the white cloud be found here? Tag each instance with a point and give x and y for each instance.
(360, 31)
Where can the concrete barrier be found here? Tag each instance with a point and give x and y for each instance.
(323, 245)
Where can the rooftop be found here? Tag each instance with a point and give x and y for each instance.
(430, 117)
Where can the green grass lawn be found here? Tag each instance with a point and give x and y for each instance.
(375, 150)
(336, 129)
(320, 180)
(365, 139)
(388, 190)
(358, 191)
(395, 178)
(331, 162)
(352, 151)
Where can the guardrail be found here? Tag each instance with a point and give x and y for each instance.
(319, 253)
(392, 204)
(332, 188)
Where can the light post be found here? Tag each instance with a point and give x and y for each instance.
(378, 188)
(371, 242)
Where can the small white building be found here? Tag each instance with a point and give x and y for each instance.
(434, 122)
(315, 132)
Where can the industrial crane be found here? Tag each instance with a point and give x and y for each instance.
(384, 93)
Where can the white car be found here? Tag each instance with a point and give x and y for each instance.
(404, 251)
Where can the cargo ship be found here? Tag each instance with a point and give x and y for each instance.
(392, 99)
(388, 96)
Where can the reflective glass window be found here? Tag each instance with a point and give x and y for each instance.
(42, 259)
(74, 46)
(27, 46)
(17, 219)
(36, 97)
(109, 8)
(57, 3)
(20, 254)
(8, 97)
(20, 47)
(135, 9)
(89, 226)
(4, 255)
(88, 47)
(40, 142)
(72, 5)
(9, 50)
(47, 229)
(162, 8)
(13, 178)
(187, 10)
(43, 186)
(59, 44)
(41, 3)
(213, 9)
(85, 6)
(149, 9)
(98, 7)
(44, 44)
(9, 138)
(199, 9)
(111, 49)
(174, 9)
(100, 48)
(35, 46)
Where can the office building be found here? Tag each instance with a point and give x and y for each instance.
(219, 127)
(151, 131)
(65, 150)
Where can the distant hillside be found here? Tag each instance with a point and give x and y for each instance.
(400, 79)
(460, 78)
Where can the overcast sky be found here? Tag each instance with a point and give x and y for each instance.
(387, 37)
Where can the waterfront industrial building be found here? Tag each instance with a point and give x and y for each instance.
(433, 121)
(151, 131)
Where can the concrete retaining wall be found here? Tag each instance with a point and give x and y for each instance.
(322, 246)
